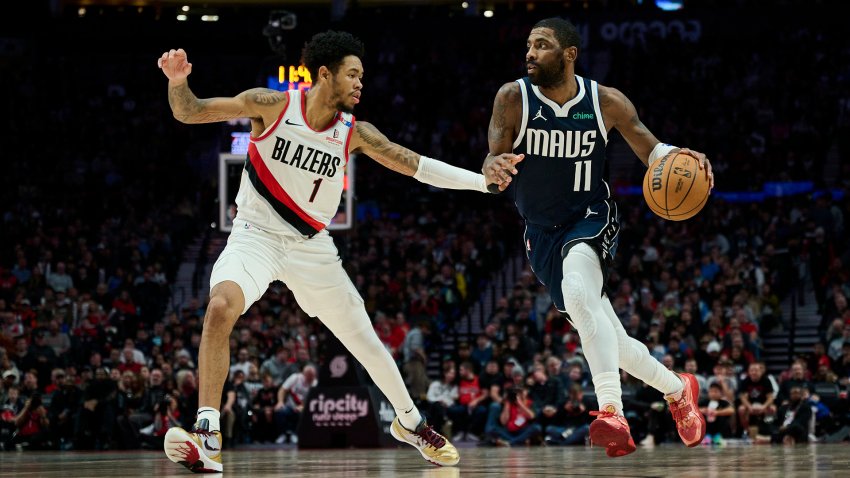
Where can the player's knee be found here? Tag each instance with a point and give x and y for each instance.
(221, 315)
(575, 304)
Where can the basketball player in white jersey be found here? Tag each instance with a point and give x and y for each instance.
(561, 121)
(290, 190)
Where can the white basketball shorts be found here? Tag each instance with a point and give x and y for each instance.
(311, 268)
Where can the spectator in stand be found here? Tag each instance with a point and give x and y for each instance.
(59, 280)
(841, 367)
(32, 426)
(511, 422)
(571, 424)
(483, 351)
(242, 361)
(756, 397)
(442, 395)
(57, 339)
(796, 378)
(279, 366)
(792, 423)
(469, 413)
(263, 406)
(415, 359)
(547, 394)
(691, 368)
(96, 420)
(718, 413)
(290, 400)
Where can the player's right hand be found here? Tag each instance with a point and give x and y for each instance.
(175, 64)
(498, 170)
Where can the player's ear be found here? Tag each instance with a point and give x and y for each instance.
(571, 53)
(324, 73)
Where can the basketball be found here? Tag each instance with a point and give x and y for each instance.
(675, 187)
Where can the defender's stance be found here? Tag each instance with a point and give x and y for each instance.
(560, 122)
(290, 190)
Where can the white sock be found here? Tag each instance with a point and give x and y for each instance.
(409, 418)
(212, 415)
(608, 390)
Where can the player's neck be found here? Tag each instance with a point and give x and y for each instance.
(563, 92)
(319, 110)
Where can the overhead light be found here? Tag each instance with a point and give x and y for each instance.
(209, 18)
(81, 11)
(182, 18)
(185, 8)
(464, 5)
(488, 13)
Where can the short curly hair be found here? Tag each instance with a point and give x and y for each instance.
(329, 49)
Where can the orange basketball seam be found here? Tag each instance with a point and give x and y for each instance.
(667, 183)
(704, 199)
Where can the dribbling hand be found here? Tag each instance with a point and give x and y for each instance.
(499, 170)
(175, 64)
(703, 163)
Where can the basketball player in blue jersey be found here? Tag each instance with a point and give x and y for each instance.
(290, 190)
(560, 122)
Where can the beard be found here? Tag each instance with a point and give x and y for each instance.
(341, 106)
(340, 101)
(549, 76)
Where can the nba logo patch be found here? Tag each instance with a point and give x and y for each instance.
(336, 133)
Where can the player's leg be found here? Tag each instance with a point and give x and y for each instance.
(322, 288)
(681, 391)
(240, 275)
(582, 288)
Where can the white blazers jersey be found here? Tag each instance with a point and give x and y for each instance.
(294, 175)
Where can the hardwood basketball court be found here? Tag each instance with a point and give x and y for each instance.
(731, 461)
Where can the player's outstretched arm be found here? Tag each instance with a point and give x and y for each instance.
(503, 129)
(188, 108)
(620, 113)
(371, 142)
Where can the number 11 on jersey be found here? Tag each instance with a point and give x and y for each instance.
(577, 183)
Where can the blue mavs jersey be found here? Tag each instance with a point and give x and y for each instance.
(564, 168)
(561, 189)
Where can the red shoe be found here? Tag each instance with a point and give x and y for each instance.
(612, 431)
(689, 421)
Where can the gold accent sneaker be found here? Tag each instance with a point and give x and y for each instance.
(199, 450)
(433, 446)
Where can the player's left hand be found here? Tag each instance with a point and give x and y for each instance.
(703, 164)
(498, 170)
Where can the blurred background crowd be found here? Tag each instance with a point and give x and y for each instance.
(103, 191)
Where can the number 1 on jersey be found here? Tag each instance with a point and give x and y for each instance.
(577, 183)
(317, 183)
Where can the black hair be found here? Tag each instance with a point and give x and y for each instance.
(329, 49)
(565, 32)
(716, 385)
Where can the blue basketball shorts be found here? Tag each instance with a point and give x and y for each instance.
(547, 246)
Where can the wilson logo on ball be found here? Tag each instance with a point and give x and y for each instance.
(657, 173)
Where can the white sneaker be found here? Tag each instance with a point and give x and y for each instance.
(198, 450)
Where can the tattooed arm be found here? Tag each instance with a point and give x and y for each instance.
(504, 127)
(368, 140)
(256, 103)
(371, 142)
(618, 112)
